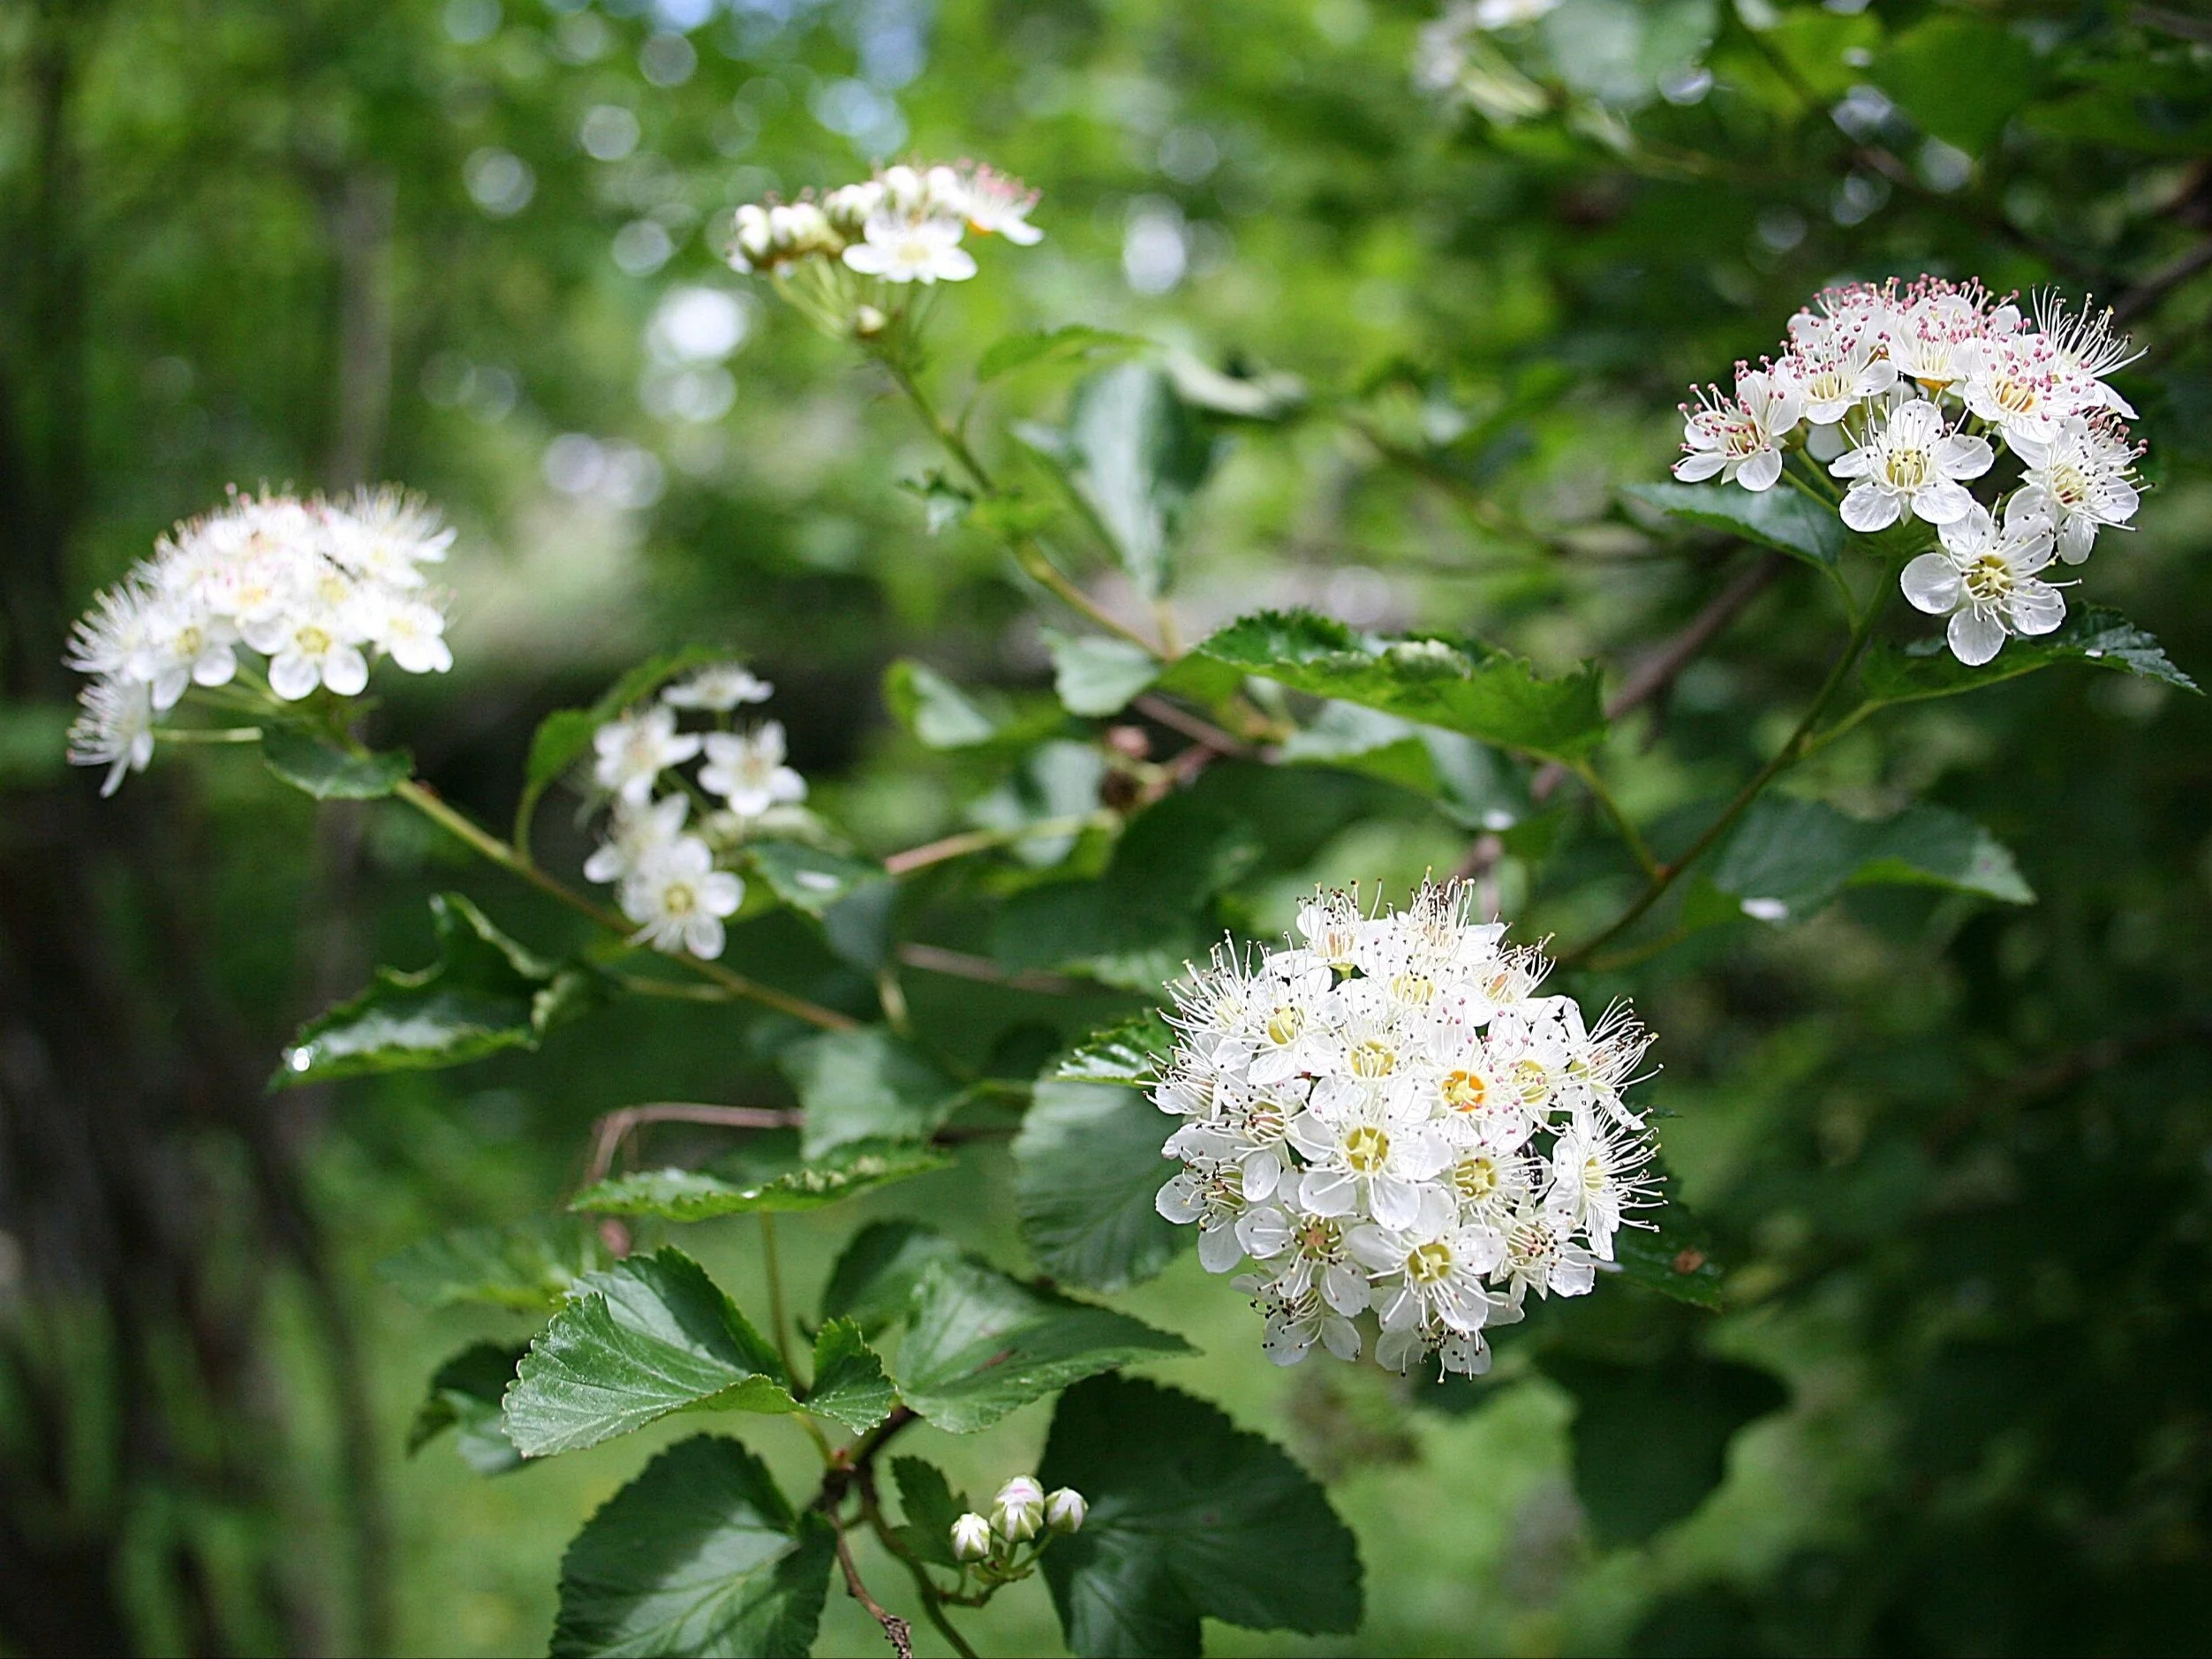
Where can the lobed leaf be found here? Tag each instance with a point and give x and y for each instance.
(978, 1345)
(767, 1176)
(866, 1084)
(650, 1335)
(1460, 685)
(529, 1266)
(329, 771)
(850, 1387)
(1087, 1168)
(1129, 1053)
(1778, 518)
(700, 1555)
(930, 1505)
(1788, 857)
(1191, 1518)
(465, 1395)
(1471, 782)
(2091, 635)
(935, 710)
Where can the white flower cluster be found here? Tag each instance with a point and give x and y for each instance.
(991, 1546)
(1388, 1117)
(1909, 394)
(320, 589)
(665, 874)
(831, 255)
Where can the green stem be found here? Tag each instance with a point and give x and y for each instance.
(482, 841)
(774, 1270)
(1626, 830)
(1792, 751)
(190, 735)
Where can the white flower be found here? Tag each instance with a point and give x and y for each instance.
(1019, 1509)
(1909, 462)
(1984, 579)
(747, 770)
(386, 536)
(1542, 1255)
(899, 249)
(1212, 1198)
(634, 751)
(1597, 1176)
(634, 833)
(2017, 385)
(1837, 371)
(1294, 1318)
(408, 630)
(720, 688)
(2086, 347)
(970, 1538)
(1308, 1254)
(1366, 1155)
(1740, 438)
(679, 899)
(1432, 1271)
(182, 645)
(997, 204)
(310, 645)
(2083, 477)
(114, 728)
(1066, 1510)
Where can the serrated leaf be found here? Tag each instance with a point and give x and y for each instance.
(485, 994)
(1191, 1518)
(699, 1555)
(2092, 636)
(850, 1385)
(768, 1176)
(1095, 677)
(528, 1266)
(650, 1335)
(1788, 858)
(465, 1395)
(873, 1282)
(1051, 345)
(978, 1345)
(1460, 685)
(329, 771)
(1670, 1257)
(1128, 1053)
(1472, 781)
(1087, 1169)
(867, 1084)
(1778, 518)
(1652, 1441)
(929, 1506)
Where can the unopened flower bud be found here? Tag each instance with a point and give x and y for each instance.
(971, 1538)
(868, 323)
(1019, 1509)
(1065, 1510)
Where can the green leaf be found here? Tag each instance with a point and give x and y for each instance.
(1788, 857)
(978, 1345)
(933, 708)
(1057, 780)
(768, 1175)
(1620, 52)
(563, 735)
(930, 1505)
(463, 1397)
(651, 1335)
(1087, 1168)
(309, 761)
(850, 1385)
(1670, 1257)
(1475, 785)
(872, 1283)
(529, 1266)
(699, 1555)
(851, 898)
(865, 1084)
(1778, 518)
(1191, 1518)
(1096, 676)
(1133, 455)
(1052, 345)
(1460, 685)
(1128, 1053)
(484, 993)
(1919, 69)
(1652, 1441)
(2099, 637)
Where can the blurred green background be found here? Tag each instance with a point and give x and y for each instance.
(1956, 1160)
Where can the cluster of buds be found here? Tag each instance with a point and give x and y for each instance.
(1023, 1519)
(849, 259)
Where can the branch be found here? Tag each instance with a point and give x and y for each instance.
(2055, 1077)
(615, 1127)
(2162, 282)
(934, 959)
(1199, 731)
(896, 1631)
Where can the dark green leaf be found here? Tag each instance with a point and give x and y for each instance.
(1096, 675)
(1470, 780)
(1788, 857)
(563, 735)
(699, 1555)
(2098, 638)
(980, 1345)
(851, 898)
(865, 1085)
(1652, 1441)
(1191, 1518)
(1672, 1257)
(850, 1385)
(1779, 518)
(873, 1282)
(651, 1335)
(464, 1397)
(1458, 684)
(530, 1266)
(1051, 345)
(330, 772)
(768, 1175)
(1134, 457)
(485, 994)
(1129, 1053)
(1919, 69)
(930, 1505)
(1087, 1167)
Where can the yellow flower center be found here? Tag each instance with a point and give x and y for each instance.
(311, 641)
(1426, 1264)
(1284, 1025)
(1465, 1090)
(1367, 1149)
(1476, 1177)
(677, 899)
(1531, 1081)
(1989, 579)
(1906, 469)
(1373, 1060)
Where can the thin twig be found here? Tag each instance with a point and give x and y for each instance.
(1199, 731)
(980, 841)
(934, 959)
(2162, 282)
(615, 1127)
(896, 1631)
